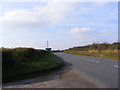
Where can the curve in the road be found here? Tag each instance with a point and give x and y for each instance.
(104, 71)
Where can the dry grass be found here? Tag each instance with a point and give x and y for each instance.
(111, 54)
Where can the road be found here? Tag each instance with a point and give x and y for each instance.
(78, 72)
(103, 72)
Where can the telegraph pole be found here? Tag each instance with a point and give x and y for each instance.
(47, 45)
(48, 49)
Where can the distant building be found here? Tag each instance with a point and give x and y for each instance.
(48, 49)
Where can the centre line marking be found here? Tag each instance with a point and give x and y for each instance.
(116, 66)
(92, 60)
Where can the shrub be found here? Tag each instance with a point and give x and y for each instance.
(12, 56)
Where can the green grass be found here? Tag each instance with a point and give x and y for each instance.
(22, 70)
(111, 54)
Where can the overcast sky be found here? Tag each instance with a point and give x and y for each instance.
(63, 24)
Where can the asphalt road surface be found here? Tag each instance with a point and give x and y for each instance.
(103, 72)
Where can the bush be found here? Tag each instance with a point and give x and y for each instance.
(12, 56)
(97, 46)
(7, 58)
(98, 50)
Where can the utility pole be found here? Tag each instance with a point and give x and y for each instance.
(47, 45)
(48, 49)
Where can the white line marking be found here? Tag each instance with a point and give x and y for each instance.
(87, 59)
(92, 60)
(116, 66)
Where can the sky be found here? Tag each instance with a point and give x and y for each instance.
(63, 24)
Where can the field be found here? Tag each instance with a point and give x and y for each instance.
(21, 63)
(104, 50)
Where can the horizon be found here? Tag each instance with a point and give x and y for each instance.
(63, 24)
(58, 49)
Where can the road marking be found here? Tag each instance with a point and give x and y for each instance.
(86, 59)
(92, 60)
(116, 66)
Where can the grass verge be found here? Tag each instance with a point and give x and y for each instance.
(109, 54)
(23, 70)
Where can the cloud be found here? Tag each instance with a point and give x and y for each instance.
(46, 15)
(18, 19)
(87, 35)
(20, 16)
(54, 10)
(81, 30)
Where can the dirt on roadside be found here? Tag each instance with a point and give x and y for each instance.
(68, 79)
